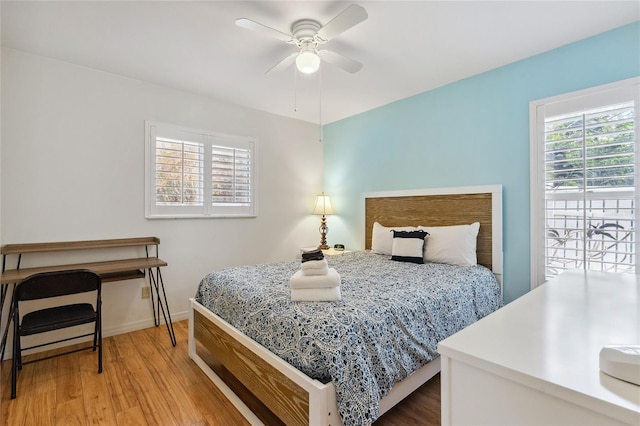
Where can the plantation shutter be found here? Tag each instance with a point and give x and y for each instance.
(231, 176)
(179, 171)
(198, 173)
(589, 186)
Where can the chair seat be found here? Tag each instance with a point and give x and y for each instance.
(56, 318)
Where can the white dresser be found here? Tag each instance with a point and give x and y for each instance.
(536, 361)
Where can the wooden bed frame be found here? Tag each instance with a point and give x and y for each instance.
(280, 393)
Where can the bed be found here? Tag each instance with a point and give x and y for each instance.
(343, 387)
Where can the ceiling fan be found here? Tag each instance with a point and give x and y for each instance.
(307, 35)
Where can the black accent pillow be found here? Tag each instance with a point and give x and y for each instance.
(408, 246)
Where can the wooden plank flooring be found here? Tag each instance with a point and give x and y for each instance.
(146, 381)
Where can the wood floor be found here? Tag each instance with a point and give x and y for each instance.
(146, 381)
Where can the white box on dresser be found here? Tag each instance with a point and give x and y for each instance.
(536, 360)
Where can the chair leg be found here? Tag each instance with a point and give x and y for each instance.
(14, 374)
(95, 336)
(19, 346)
(99, 325)
(14, 358)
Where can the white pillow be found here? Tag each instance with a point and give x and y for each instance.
(455, 245)
(382, 237)
(408, 246)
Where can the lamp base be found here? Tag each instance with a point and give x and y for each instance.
(323, 234)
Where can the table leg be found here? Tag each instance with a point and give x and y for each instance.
(5, 333)
(161, 304)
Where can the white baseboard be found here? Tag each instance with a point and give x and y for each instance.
(140, 325)
(106, 332)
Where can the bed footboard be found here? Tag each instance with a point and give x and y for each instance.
(289, 394)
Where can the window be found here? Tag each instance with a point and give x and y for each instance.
(198, 173)
(584, 172)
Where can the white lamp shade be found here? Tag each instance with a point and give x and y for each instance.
(308, 62)
(323, 205)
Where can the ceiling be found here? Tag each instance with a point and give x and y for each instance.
(407, 47)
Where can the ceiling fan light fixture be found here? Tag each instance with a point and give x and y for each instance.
(308, 61)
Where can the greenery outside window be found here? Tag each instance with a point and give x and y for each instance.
(198, 173)
(584, 173)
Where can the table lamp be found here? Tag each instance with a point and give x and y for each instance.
(323, 207)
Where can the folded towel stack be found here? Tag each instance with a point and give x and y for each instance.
(301, 281)
(315, 267)
(310, 255)
(315, 281)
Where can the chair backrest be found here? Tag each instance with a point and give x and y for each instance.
(59, 283)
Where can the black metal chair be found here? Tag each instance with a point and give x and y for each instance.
(48, 285)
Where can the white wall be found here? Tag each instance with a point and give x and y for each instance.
(5, 313)
(72, 168)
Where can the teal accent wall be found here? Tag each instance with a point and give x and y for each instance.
(471, 132)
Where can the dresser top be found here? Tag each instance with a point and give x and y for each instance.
(550, 340)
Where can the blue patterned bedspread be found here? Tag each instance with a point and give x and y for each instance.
(387, 325)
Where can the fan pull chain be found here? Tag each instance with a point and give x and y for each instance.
(320, 101)
(295, 89)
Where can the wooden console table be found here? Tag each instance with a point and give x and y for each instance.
(111, 270)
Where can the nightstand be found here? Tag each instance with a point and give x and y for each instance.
(329, 252)
(332, 252)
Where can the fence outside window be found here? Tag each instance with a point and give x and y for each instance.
(599, 237)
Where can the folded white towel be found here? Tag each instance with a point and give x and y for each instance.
(316, 271)
(314, 264)
(300, 280)
(315, 294)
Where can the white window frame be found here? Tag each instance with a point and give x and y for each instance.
(580, 100)
(208, 139)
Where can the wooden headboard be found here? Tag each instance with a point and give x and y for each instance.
(443, 207)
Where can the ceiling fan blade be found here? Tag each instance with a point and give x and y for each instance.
(340, 61)
(268, 31)
(348, 18)
(283, 63)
